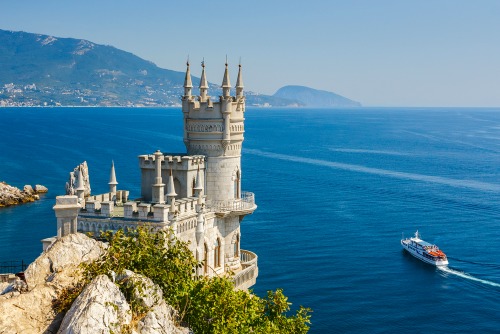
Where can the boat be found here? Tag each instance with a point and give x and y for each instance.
(424, 251)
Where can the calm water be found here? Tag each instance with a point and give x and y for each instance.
(335, 190)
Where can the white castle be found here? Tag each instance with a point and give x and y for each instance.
(198, 194)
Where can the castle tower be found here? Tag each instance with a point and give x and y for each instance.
(215, 130)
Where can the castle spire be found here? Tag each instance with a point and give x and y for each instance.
(226, 86)
(80, 188)
(239, 82)
(188, 84)
(203, 83)
(171, 191)
(112, 176)
(198, 188)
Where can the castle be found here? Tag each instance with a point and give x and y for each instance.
(198, 194)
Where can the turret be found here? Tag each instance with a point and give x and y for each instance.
(239, 83)
(198, 187)
(171, 191)
(188, 85)
(203, 84)
(158, 187)
(226, 86)
(80, 188)
(112, 180)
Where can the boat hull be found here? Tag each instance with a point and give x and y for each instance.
(421, 256)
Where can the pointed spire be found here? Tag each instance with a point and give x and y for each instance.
(226, 86)
(170, 186)
(188, 84)
(203, 83)
(239, 82)
(198, 186)
(112, 175)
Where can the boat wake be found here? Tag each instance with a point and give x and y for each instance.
(493, 265)
(467, 276)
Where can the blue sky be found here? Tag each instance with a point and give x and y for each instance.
(381, 53)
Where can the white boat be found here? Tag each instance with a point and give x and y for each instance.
(424, 251)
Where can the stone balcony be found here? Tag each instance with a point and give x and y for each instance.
(239, 206)
(248, 275)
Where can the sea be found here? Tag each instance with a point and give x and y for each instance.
(336, 190)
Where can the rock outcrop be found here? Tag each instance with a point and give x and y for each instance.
(100, 308)
(10, 195)
(72, 183)
(27, 306)
(31, 311)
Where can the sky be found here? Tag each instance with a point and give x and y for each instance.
(442, 53)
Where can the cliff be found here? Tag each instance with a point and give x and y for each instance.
(31, 306)
(10, 195)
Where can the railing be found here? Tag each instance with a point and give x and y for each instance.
(8, 267)
(248, 276)
(246, 202)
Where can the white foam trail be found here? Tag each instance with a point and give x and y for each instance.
(470, 184)
(467, 276)
(356, 150)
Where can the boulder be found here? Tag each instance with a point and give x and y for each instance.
(28, 189)
(28, 309)
(100, 308)
(64, 255)
(160, 318)
(39, 189)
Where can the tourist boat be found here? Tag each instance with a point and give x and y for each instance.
(424, 251)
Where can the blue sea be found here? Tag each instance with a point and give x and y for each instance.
(335, 191)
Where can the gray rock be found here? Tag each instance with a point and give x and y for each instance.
(71, 185)
(100, 308)
(28, 189)
(56, 269)
(39, 189)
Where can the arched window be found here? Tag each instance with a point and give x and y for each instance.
(217, 253)
(237, 246)
(205, 258)
(237, 185)
(192, 187)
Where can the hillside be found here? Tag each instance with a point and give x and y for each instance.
(315, 98)
(45, 70)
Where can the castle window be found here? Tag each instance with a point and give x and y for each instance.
(192, 187)
(237, 185)
(217, 253)
(237, 246)
(205, 259)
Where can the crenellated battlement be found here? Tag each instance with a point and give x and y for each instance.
(174, 162)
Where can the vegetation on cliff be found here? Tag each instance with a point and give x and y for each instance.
(206, 305)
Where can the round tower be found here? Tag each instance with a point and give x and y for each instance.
(215, 129)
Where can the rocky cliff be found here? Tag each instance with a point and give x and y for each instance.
(29, 306)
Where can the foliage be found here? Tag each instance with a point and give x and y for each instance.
(207, 305)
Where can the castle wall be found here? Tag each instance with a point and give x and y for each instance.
(184, 170)
(222, 174)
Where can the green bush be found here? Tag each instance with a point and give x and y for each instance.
(206, 305)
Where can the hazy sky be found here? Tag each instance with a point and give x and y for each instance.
(381, 53)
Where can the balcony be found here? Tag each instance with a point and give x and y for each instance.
(240, 206)
(248, 275)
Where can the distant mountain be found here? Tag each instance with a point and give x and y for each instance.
(45, 70)
(315, 98)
